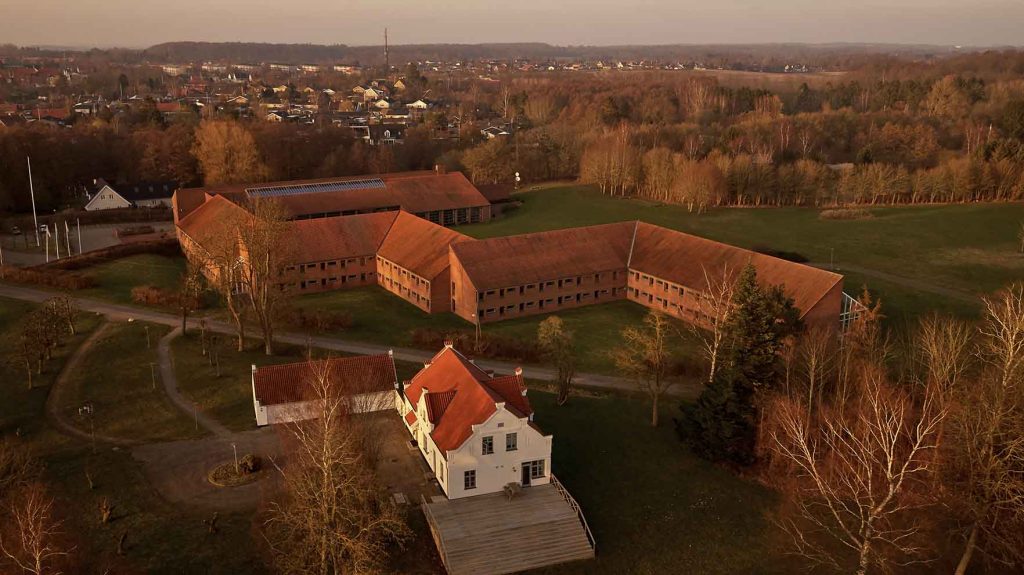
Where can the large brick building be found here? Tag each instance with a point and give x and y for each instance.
(440, 270)
(445, 198)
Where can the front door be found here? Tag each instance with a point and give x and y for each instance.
(526, 474)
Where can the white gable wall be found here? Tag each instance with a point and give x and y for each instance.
(107, 199)
(502, 467)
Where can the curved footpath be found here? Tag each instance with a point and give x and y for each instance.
(121, 312)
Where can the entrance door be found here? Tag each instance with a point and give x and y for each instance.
(526, 474)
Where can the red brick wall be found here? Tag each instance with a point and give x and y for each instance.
(334, 274)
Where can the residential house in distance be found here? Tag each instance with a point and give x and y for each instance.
(104, 196)
(285, 393)
(475, 430)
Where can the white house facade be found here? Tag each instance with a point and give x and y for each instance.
(106, 199)
(474, 430)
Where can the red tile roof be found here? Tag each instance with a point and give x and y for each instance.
(682, 258)
(410, 417)
(460, 395)
(527, 258)
(419, 246)
(287, 383)
(327, 239)
(415, 192)
(205, 222)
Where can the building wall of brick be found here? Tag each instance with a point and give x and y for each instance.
(825, 313)
(668, 297)
(463, 294)
(405, 284)
(333, 274)
(546, 296)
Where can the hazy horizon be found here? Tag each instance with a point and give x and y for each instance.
(138, 24)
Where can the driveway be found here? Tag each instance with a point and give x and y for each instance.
(178, 469)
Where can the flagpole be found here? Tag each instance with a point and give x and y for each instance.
(32, 193)
(47, 243)
(67, 237)
(78, 223)
(56, 238)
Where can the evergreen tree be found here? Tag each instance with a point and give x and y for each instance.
(722, 423)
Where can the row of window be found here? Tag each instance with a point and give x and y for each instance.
(323, 266)
(528, 306)
(487, 443)
(331, 281)
(400, 272)
(536, 472)
(540, 286)
(654, 282)
(452, 217)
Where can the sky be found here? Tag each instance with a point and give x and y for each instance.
(141, 23)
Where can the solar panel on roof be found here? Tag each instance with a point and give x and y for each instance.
(296, 189)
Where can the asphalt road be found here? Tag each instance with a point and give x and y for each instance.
(120, 312)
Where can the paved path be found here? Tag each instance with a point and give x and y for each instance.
(170, 381)
(121, 312)
(914, 284)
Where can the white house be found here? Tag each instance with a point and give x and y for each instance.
(282, 393)
(143, 195)
(476, 431)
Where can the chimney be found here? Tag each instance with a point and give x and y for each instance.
(440, 170)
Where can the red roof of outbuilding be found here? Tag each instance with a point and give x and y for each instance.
(460, 395)
(288, 383)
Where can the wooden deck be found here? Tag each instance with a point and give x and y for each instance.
(489, 535)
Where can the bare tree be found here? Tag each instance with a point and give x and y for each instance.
(190, 289)
(985, 465)
(816, 354)
(266, 250)
(557, 343)
(32, 540)
(645, 357)
(220, 257)
(64, 308)
(944, 345)
(858, 470)
(334, 516)
(17, 467)
(715, 304)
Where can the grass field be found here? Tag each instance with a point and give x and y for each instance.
(379, 317)
(973, 248)
(228, 397)
(116, 278)
(653, 506)
(117, 379)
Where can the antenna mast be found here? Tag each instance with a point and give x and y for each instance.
(387, 62)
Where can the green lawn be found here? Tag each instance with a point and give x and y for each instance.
(653, 506)
(228, 397)
(21, 406)
(379, 317)
(117, 379)
(116, 278)
(967, 247)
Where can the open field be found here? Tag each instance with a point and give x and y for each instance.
(972, 248)
(379, 317)
(120, 379)
(116, 278)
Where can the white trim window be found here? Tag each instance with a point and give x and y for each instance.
(511, 442)
(487, 445)
(469, 479)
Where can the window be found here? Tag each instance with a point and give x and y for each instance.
(536, 469)
(511, 442)
(469, 479)
(488, 445)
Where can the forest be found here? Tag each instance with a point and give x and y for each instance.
(890, 130)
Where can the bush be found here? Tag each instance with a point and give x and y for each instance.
(494, 347)
(782, 255)
(846, 214)
(315, 320)
(250, 464)
(167, 247)
(55, 278)
(155, 296)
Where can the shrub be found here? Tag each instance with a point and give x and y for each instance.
(167, 247)
(781, 254)
(845, 214)
(491, 346)
(135, 231)
(152, 295)
(55, 278)
(250, 464)
(315, 320)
